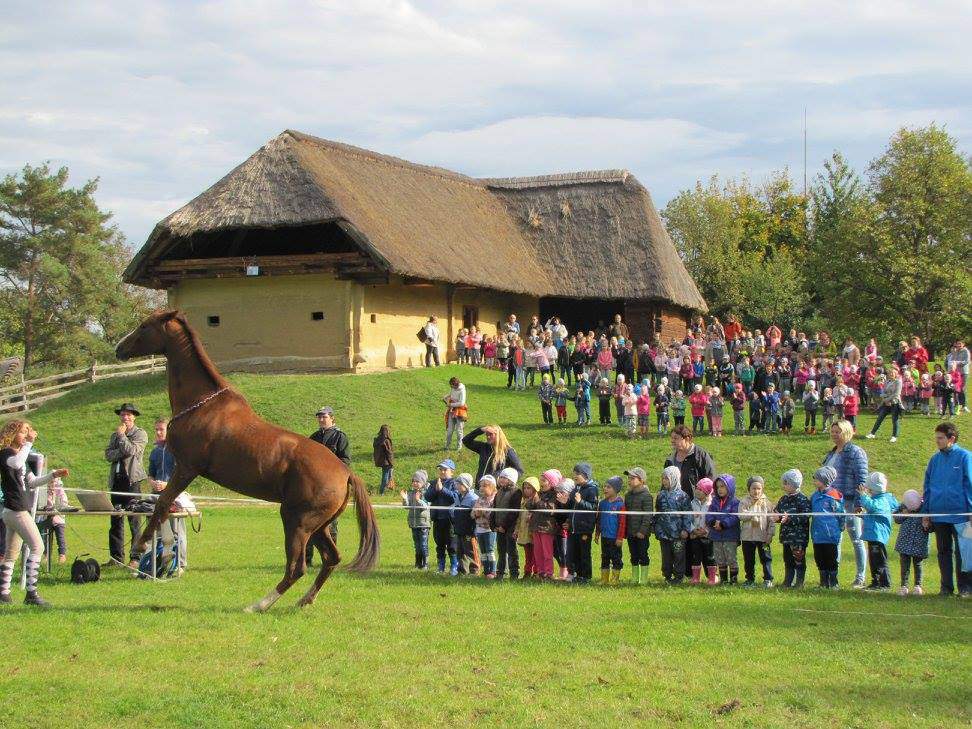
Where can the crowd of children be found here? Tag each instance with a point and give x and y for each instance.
(479, 529)
(768, 375)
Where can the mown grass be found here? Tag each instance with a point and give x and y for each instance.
(396, 648)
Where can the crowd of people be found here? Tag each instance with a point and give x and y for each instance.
(480, 523)
(763, 376)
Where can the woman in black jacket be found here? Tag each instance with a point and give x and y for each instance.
(495, 454)
(694, 463)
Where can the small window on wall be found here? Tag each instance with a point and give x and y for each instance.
(317, 316)
(374, 318)
(213, 321)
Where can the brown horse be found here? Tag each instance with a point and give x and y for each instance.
(215, 433)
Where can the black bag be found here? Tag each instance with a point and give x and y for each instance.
(85, 570)
(421, 335)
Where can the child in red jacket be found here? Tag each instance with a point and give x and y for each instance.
(698, 400)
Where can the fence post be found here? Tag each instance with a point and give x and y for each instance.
(93, 372)
(23, 392)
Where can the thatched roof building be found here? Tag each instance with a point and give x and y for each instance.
(304, 205)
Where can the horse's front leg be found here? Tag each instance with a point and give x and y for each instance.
(179, 481)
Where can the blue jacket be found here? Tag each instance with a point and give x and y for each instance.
(161, 463)
(724, 512)
(877, 523)
(610, 519)
(948, 485)
(584, 523)
(827, 529)
(448, 496)
(669, 526)
(851, 467)
(772, 401)
(463, 523)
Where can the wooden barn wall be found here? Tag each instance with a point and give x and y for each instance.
(642, 318)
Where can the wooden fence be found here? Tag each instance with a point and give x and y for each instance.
(27, 395)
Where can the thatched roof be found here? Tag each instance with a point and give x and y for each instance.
(585, 234)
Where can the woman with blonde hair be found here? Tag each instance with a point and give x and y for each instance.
(495, 453)
(16, 441)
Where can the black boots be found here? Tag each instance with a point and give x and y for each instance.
(34, 599)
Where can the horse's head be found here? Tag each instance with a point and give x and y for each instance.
(147, 338)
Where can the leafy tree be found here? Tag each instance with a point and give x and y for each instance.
(60, 271)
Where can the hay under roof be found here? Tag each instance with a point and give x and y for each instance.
(583, 234)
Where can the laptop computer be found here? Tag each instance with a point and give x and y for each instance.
(95, 501)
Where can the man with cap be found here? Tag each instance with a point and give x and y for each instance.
(335, 440)
(442, 493)
(125, 475)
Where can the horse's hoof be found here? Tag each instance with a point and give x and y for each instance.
(304, 602)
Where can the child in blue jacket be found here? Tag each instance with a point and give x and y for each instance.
(723, 522)
(672, 529)
(611, 530)
(825, 531)
(879, 505)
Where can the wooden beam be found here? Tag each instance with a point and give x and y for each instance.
(315, 260)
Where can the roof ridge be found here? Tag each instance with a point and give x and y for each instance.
(583, 177)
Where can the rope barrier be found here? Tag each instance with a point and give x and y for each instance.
(405, 507)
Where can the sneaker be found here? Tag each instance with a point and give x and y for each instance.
(857, 584)
(869, 436)
(767, 583)
(749, 583)
(918, 590)
(894, 439)
(903, 590)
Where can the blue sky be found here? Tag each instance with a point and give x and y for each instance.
(159, 100)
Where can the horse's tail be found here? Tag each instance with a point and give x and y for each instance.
(369, 540)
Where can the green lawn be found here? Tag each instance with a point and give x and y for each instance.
(399, 648)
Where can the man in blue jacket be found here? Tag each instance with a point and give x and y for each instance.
(948, 490)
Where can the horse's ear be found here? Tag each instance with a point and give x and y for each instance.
(163, 315)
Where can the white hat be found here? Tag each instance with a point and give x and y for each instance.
(510, 474)
(877, 482)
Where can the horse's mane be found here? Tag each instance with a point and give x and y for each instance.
(204, 360)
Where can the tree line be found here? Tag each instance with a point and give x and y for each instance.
(881, 255)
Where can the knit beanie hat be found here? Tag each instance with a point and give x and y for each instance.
(466, 480)
(553, 476)
(420, 476)
(510, 474)
(704, 485)
(533, 482)
(565, 486)
(793, 477)
(488, 478)
(584, 469)
(877, 482)
(755, 479)
(825, 475)
(912, 499)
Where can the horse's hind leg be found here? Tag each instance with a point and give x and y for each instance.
(330, 557)
(296, 533)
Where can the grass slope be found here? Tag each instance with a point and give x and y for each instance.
(398, 648)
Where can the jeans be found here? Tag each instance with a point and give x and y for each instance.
(520, 378)
(877, 553)
(855, 527)
(386, 477)
(420, 539)
(750, 550)
(454, 425)
(507, 557)
(583, 413)
(466, 553)
(431, 353)
(883, 412)
(444, 539)
(946, 542)
(698, 424)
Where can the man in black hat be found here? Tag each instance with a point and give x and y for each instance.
(336, 440)
(124, 452)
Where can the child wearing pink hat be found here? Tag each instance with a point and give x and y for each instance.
(700, 550)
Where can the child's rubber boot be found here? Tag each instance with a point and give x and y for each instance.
(605, 577)
(635, 573)
(696, 574)
(799, 574)
(453, 566)
(723, 574)
(733, 576)
(643, 575)
(713, 575)
(441, 564)
(615, 577)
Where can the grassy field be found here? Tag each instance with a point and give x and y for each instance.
(396, 648)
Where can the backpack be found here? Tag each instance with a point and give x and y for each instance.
(166, 564)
